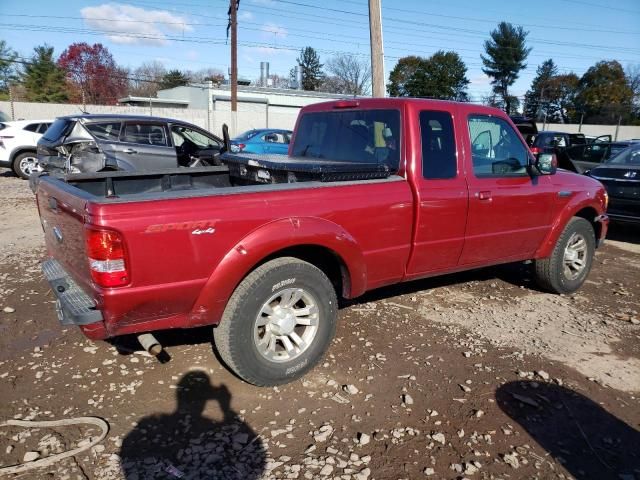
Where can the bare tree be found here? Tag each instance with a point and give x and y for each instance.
(205, 75)
(145, 80)
(352, 73)
(632, 73)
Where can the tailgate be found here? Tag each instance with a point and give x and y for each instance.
(62, 212)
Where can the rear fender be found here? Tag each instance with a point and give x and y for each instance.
(577, 203)
(267, 241)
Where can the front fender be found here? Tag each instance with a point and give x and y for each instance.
(576, 204)
(266, 241)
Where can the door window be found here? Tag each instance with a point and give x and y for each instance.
(32, 127)
(145, 134)
(496, 149)
(438, 145)
(276, 137)
(181, 134)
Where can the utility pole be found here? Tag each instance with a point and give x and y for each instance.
(377, 52)
(233, 26)
(13, 110)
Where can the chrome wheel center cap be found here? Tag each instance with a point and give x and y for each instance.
(284, 322)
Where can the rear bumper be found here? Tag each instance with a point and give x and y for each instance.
(74, 306)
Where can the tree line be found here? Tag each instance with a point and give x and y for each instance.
(605, 93)
(87, 74)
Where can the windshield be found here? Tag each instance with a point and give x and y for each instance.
(247, 135)
(359, 136)
(58, 129)
(628, 156)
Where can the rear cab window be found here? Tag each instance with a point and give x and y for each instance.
(358, 136)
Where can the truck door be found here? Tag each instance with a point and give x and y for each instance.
(442, 196)
(509, 210)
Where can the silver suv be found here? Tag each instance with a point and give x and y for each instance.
(94, 143)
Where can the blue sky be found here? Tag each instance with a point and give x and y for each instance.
(190, 34)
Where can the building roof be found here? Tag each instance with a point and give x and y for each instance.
(152, 100)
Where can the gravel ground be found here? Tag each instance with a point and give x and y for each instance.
(474, 375)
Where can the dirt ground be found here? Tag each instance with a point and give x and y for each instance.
(475, 375)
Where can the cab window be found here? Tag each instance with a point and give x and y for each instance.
(496, 149)
(439, 159)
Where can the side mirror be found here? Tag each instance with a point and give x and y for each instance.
(545, 163)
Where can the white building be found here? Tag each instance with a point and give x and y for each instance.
(258, 107)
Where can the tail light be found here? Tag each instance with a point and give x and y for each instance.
(536, 150)
(107, 258)
(237, 147)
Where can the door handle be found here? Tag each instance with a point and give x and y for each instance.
(129, 150)
(486, 195)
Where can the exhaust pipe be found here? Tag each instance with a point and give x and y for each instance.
(150, 344)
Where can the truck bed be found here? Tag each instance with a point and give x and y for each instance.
(117, 187)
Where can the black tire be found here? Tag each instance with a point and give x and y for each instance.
(235, 336)
(550, 273)
(18, 166)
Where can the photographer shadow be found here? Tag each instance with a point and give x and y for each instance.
(185, 444)
(588, 441)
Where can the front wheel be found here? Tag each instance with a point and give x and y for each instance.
(570, 262)
(25, 164)
(278, 323)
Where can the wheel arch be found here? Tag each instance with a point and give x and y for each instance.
(320, 242)
(20, 150)
(581, 207)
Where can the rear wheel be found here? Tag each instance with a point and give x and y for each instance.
(278, 323)
(570, 262)
(25, 164)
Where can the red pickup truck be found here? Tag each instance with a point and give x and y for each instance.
(373, 192)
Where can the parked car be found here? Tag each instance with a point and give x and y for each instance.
(620, 175)
(262, 141)
(18, 143)
(573, 151)
(375, 192)
(95, 143)
(586, 157)
(527, 127)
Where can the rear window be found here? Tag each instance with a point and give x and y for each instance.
(247, 135)
(105, 131)
(629, 156)
(58, 129)
(358, 136)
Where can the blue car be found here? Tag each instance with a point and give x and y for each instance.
(264, 140)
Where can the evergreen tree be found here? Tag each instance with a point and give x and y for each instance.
(7, 67)
(43, 80)
(174, 78)
(506, 54)
(312, 75)
(534, 99)
(441, 76)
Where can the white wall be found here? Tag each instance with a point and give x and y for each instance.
(249, 115)
(625, 132)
